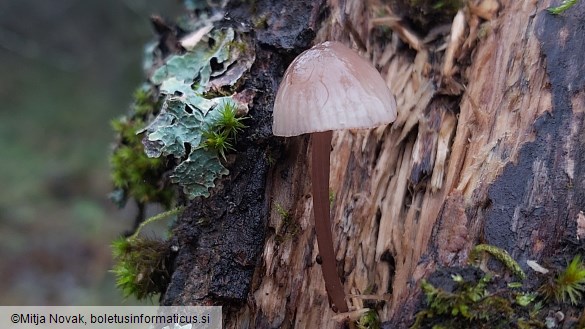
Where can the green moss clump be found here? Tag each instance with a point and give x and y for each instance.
(134, 174)
(227, 120)
(222, 132)
(369, 320)
(142, 264)
(143, 102)
(331, 198)
(141, 268)
(260, 22)
(566, 4)
(283, 213)
(473, 299)
(475, 303)
(470, 302)
(501, 255)
(568, 285)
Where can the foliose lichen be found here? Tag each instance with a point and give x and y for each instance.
(191, 127)
(190, 123)
(181, 128)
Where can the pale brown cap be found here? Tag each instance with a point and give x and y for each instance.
(330, 87)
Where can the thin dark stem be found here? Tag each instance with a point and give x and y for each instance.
(320, 182)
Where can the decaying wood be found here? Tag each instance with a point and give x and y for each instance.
(487, 147)
(219, 239)
(387, 217)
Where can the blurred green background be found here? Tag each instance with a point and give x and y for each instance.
(67, 67)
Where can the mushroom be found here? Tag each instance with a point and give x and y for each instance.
(326, 88)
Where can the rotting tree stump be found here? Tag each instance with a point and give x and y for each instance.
(488, 147)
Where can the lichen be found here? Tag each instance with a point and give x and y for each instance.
(192, 128)
(182, 128)
(197, 63)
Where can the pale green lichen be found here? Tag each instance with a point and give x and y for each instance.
(166, 137)
(189, 95)
(197, 174)
(196, 64)
(190, 127)
(174, 127)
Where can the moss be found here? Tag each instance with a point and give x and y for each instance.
(223, 130)
(142, 264)
(501, 255)
(227, 120)
(217, 141)
(270, 158)
(144, 104)
(484, 30)
(133, 172)
(566, 4)
(469, 303)
(568, 285)
(369, 320)
(289, 228)
(471, 298)
(238, 45)
(281, 211)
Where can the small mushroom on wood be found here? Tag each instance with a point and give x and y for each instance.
(326, 88)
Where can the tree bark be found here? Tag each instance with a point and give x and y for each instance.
(490, 152)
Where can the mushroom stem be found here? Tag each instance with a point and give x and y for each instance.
(320, 182)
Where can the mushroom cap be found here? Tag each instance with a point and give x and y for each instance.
(330, 87)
